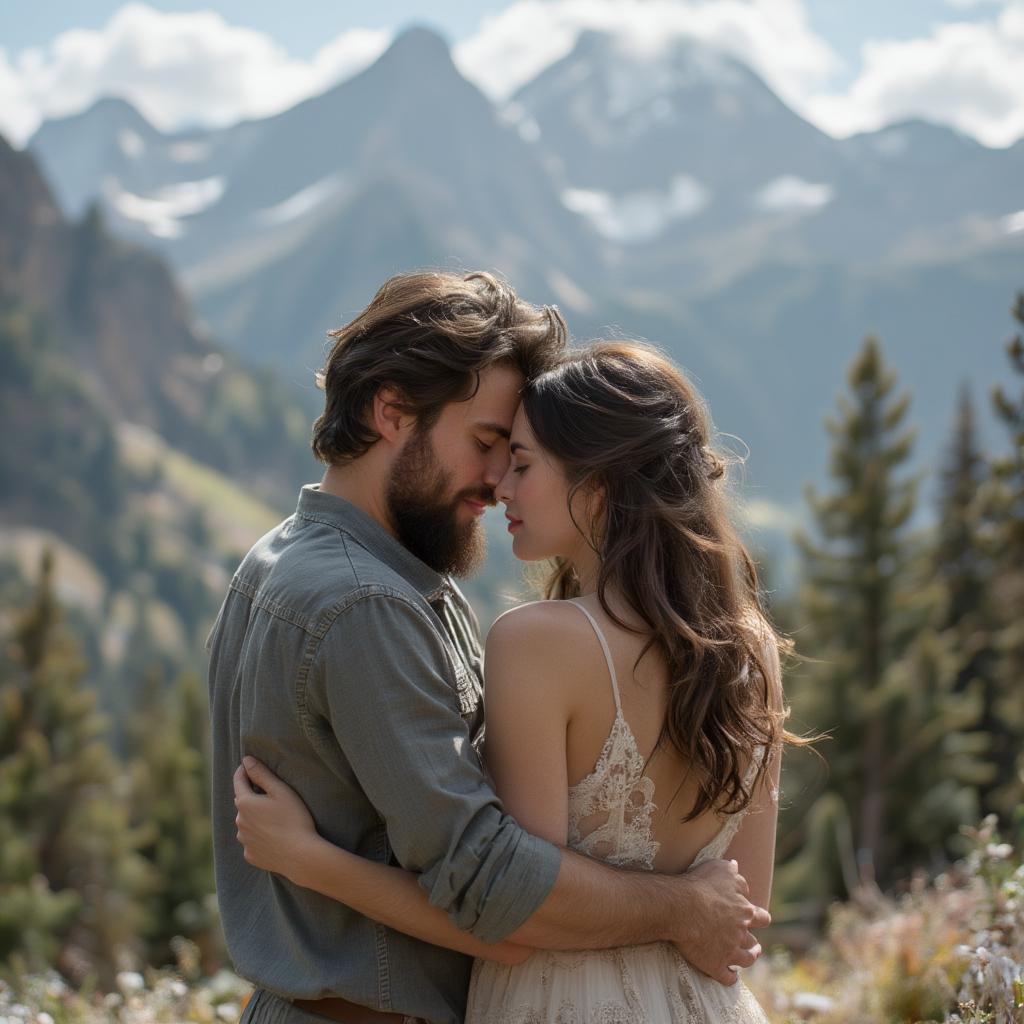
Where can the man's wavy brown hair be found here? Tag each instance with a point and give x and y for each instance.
(427, 334)
(624, 422)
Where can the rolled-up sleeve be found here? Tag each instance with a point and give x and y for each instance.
(383, 679)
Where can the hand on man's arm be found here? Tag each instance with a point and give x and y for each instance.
(705, 912)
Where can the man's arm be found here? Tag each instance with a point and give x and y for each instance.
(704, 912)
(380, 700)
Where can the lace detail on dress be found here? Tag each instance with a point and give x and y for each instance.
(610, 810)
(617, 791)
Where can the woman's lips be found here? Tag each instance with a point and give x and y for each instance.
(513, 523)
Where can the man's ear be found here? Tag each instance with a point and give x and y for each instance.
(389, 417)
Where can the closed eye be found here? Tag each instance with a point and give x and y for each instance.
(483, 446)
(519, 469)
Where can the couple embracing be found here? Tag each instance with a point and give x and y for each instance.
(604, 856)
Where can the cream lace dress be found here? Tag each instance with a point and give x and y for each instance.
(610, 819)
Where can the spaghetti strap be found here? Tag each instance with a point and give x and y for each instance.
(607, 654)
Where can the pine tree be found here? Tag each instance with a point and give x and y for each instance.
(961, 559)
(69, 860)
(881, 682)
(965, 567)
(170, 770)
(1005, 504)
(33, 916)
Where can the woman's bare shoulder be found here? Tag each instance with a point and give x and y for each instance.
(548, 645)
(538, 622)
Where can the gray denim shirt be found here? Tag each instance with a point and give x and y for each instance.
(353, 671)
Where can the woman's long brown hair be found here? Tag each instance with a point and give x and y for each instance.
(626, 424)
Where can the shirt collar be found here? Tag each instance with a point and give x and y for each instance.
(322, 507)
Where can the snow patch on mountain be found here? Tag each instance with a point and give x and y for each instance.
(162, 213)
(789, 193)
(648, 77)
(890, 143)
(515, 115)
(131, 143)
(301, 203)
(189, 152)
(636, 86)
(1012, 223)
(632, 86)
(638, 216)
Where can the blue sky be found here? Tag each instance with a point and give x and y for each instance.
(845, 64)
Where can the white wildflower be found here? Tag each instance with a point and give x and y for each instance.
(223, 983)
(55, 987)
(812, 1002)
(999, 851)
(130, 982)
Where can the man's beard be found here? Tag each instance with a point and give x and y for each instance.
(425, 514)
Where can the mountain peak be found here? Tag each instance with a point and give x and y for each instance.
(419, 42)
(601, 43)
(645, 68)
(921, 128)
(914, 141)
(111, 111)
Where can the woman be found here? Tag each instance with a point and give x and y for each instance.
(634, 715)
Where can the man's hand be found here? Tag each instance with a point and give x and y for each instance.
(715, 928)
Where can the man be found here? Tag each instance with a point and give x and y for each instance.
(348, 662)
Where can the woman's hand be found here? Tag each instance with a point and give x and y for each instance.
(274, 827)
(279, 835)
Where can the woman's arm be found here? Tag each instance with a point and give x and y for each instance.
(753, 847)
(279, 835)
(527, 713)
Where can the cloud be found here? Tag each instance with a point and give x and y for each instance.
(182, 69)
(18, 118)
(772, 36)
(965, 74)
(179, 69)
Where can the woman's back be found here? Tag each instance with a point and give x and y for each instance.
(629, 787)
(625, 805)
